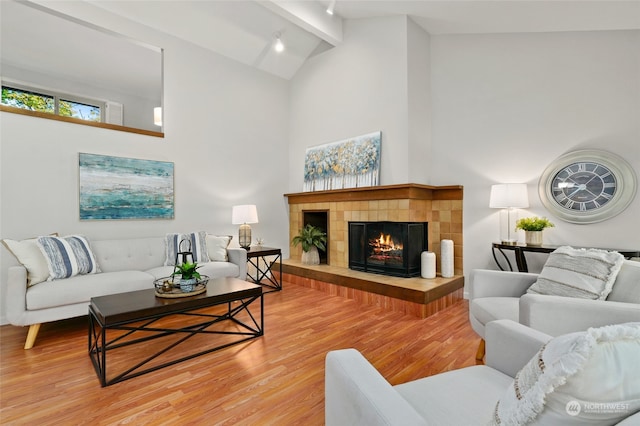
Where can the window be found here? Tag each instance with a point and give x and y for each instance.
(47, 101)
(25, 99)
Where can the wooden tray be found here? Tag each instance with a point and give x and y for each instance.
(175, 291)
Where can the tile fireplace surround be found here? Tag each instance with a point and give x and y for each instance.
(440, 206)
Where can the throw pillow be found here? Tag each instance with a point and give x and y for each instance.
(584, 377)
(67, 256)
(217, 247)
(29, 255)
(582, 273)
(195, 242)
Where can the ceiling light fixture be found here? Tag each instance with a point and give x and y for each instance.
(331, 7)
(278, 46)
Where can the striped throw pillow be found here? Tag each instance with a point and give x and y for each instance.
(581, 273)
(195, 242)
(67, 256)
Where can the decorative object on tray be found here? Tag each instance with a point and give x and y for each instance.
(189, 275)
(187, 269)
(170, 287)
(533, 227)
(350, 163)
(312, 239)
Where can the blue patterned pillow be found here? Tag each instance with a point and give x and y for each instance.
(67, 256)
(194, 242)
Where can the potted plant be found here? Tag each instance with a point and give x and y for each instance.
(312, 239)
(189, 275)
(533, 227)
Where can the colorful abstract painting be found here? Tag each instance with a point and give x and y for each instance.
(125, 188)
(350, 163)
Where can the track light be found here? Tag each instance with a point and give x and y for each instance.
(278, 46)
(331, 7)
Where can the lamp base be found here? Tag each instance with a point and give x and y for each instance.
(244, 236)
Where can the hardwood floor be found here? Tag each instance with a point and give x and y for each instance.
(277, 379)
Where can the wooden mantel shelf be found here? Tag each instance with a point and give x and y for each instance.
(411, 191)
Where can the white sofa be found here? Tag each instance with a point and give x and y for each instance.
(605, 372)
(126, 265)
(503, 295)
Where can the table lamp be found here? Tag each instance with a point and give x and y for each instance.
(244, 215)
(508, 196)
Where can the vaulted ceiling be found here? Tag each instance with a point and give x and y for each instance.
(245, 29)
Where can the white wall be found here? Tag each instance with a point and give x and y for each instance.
(505, 106)
(225, 130)
(355, 88)
(419, 103)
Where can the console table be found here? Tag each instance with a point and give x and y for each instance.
(264, 275)
(520, 250)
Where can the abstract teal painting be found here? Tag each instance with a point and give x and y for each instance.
(350, 163)
(125, 188)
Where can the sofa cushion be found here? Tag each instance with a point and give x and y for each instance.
(30, 256)
(488, 309)
(584, 377)
(220, 269)
(583, 273)
(627, 285)
(68, 256)
(136, 254)
(81, 288)
(438, 398)
(217, 247)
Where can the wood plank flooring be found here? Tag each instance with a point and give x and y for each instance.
(277, 379)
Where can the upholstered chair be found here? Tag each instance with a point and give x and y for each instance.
(506, 295)
(589, 377)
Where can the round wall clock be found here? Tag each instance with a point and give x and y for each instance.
(587, 186)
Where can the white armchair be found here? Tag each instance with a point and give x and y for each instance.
(605, 372)
(503, 295)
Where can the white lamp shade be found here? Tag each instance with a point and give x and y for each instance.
(509, 195)
(246, 213)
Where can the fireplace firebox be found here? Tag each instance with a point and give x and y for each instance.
(390, 248)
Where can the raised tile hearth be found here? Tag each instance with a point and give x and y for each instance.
(412, 296)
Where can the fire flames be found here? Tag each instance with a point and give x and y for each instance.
(385, 244)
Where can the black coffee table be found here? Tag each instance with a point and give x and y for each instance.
(139, 316)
